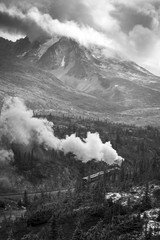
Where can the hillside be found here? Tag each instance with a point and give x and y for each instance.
(123, 205)
(39, 168)
(60, 75)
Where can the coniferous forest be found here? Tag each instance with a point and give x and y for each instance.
(120, 204)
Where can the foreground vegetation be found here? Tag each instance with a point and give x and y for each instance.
(138, 146)
(84, 214)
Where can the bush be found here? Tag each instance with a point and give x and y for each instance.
(156, 194)
(5, 185)
(39, 217)
(2, 204)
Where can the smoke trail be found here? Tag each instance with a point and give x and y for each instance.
(6, 156)
(91, 148)
(19, 126)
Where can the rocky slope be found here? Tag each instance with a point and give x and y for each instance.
(60, 74)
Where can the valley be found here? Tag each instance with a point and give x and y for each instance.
(75, 92)
(124, 204)
(79, 120)
(62, 76)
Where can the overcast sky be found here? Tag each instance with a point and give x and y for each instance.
(131, 27)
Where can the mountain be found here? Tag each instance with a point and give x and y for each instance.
(122, 83)
(61, 75)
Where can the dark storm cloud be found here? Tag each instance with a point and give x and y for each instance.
(70, 10)
(131, 27)
(156, 4)
(15, 24)
(130, 17)
(58, 9)
(38, 25)
(12, 23)
(128, 13)
(25, 26)
(23, 4)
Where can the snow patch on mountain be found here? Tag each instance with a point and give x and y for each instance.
(63, 62)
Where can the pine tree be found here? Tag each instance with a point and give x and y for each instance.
(78, 233)
(60, 234)
(149, 234)
(25, 199)
(146, 201)
(53, 228)
(10, 236)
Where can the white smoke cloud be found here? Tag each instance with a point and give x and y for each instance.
(6, 156)
(19, 126)
(90, 148)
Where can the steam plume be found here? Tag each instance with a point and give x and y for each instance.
(91, 148)
(6, 156)
(19, 126)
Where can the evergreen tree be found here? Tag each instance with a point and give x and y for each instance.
(53, 229)
(146, 201)
(78, 233)
(60, 234)
(25, 199)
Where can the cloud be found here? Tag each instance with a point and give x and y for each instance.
(11, 34)
(58, 9)
(133, 25)
(143, 39)
(39, 26)
(129, 27)
(70, 10)
(100, 11)
(139, 34)
(130, 17)
(14, 20)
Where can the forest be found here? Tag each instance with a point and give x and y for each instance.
(138, 146)
(83, 212)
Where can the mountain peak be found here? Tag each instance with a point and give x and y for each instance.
(61, 69)
(22, 45)
(66, 40)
